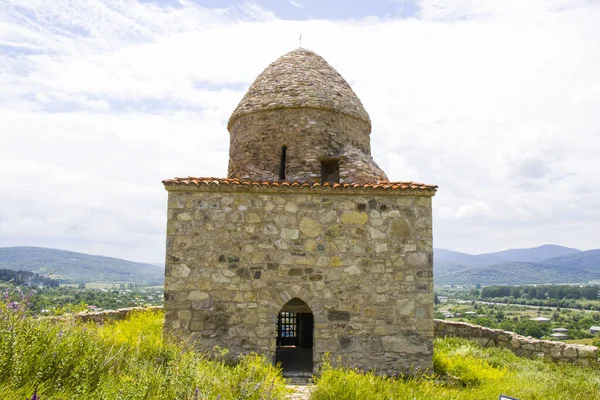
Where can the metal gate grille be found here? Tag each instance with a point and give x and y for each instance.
(287, 328)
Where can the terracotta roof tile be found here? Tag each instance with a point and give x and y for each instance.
(381, 185)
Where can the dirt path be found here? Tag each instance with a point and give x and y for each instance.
(301, 392)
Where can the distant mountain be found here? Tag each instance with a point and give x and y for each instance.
(158, 264)
(515, 273)
(535, 254)
(589, 259)
(72, 267)
(539, 265)
(456, 257)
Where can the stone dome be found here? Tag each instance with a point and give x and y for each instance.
(301, 121)
(301, 79)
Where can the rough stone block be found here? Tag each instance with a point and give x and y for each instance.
(556, 352)
(310, 227)
(289, 234)
(184, 315)
(198, 295)
(354, 217)
(569, 352)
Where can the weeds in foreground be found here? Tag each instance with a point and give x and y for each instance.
(128, 359)
(465, 371)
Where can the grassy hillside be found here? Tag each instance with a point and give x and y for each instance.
(126, 360)
(132, 360)
(78, 267)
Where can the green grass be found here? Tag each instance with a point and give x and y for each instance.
(132, 360)
(466, 371)
(587, 342)
(122, 360)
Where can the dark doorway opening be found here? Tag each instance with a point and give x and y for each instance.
(330, 171)
(294, 350)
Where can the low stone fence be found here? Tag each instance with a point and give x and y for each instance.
(111, 315)
(521, 345)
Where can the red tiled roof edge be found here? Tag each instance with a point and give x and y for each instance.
(381, 185)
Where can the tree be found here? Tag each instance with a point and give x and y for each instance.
(531, 328)
(499, 316)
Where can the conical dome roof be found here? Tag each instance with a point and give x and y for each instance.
(301, 78)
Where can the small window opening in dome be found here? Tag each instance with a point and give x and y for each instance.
(330, 171)
(282, 163)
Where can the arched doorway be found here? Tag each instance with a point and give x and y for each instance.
(295, 338)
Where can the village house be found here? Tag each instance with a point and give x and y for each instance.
(559, 336)
(542, 320)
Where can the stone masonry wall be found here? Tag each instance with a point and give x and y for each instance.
(521, 345)
(310, 135)
(360, 259)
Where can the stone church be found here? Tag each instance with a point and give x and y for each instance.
(306, 247)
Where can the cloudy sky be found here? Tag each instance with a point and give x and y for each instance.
(497, 102)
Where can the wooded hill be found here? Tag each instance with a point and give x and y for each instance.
(28, 278)
(539, 265)
(72, 267)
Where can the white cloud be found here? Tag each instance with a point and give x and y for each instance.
(474, 209)
(102, 99)
(294, 3)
